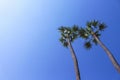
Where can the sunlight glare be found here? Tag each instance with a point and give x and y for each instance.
(7, 6)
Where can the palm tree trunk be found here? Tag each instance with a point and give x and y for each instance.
(74, 60)
(111, 57)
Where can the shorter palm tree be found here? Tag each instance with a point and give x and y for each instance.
(92, 34)
(68, 35)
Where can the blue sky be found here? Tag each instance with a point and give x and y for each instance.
(29, 45)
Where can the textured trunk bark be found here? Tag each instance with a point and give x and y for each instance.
(74, 60)
(111, 57)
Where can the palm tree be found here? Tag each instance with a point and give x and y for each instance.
(68, 35)
(92, 34)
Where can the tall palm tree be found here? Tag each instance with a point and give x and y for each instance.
(68, 35)
(92, 34)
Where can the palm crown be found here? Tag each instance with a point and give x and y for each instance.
(92, 28)
(70, 33)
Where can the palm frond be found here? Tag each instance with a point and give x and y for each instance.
(73, 37)
(65, 44)
(88, 24)
(83, 33)
(97, 33)
(89, 29)
(67, 30)
(102, 26)
(61, 29)
(95, 23)
(61, 40)
(94, 41)
(75, 28)
(63, 35)
(88, 45)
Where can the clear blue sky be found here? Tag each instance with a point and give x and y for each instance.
(29, 45)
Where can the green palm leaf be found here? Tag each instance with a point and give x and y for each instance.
(83, 33)
(88, 45)
(75, 28)
(65, 44)
(102, 26)
(94, 23)
(94, 41)
(88, 24)
(61, 29)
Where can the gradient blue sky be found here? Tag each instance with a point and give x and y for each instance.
(29, 45)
